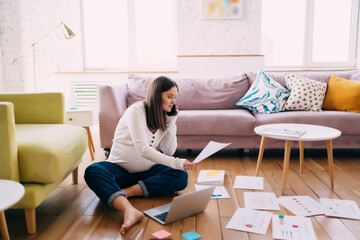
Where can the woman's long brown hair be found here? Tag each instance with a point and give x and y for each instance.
(155, 115)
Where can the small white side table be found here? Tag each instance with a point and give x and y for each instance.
(82, 118)
(10, 193)
(313, 133)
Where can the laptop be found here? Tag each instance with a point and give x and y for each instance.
(181, 206)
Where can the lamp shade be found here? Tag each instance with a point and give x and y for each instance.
(67, 32)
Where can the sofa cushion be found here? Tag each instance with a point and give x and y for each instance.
(234, 122)
(265, 95)
(343, 95)
(195, 93)
(343, 121)
(306, 94)
(45, 158)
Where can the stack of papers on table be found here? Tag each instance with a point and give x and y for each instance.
(215, 177)
(283, 132)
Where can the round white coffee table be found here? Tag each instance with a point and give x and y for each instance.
(284, 131)
(10, 193)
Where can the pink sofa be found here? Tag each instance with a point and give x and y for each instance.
(208, 111)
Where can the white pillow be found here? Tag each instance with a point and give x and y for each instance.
(306, 94)
(265, 95)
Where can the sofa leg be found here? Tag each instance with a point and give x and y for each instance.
(75, 175)
(30, 220)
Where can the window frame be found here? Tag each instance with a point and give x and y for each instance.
(308, 63)
(134, 66)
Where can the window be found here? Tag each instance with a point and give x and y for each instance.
(129, 35)
(309, 34)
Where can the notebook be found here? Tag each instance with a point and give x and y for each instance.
(215, 177)
(181, 206)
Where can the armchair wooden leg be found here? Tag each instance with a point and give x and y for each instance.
(30, 220)
(75, 174)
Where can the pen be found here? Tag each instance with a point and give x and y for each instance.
(216, 195)
(132, 236)
(139, 234)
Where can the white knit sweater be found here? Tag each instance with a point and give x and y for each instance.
(134, 146)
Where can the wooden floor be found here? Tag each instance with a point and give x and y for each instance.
(74, 211)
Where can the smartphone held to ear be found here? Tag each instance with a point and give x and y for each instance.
(173, 111)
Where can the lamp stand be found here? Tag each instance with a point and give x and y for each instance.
(34, 72)
(68, 35)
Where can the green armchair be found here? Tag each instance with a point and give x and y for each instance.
(36, 148)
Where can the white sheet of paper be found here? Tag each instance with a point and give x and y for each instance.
(340, 208)
(301, 205)
(211, 148)
(249, 182)
(261, 201)
(249, 220)
(219, 192)
(292, 227)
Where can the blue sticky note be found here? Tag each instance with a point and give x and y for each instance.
(191, 235)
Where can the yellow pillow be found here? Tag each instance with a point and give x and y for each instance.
(343, 95)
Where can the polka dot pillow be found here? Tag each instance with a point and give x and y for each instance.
(306, 94)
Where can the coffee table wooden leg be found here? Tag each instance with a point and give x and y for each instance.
(330, 159)
(261, 153)
(286, 165)
(301, 149)
(3, 226)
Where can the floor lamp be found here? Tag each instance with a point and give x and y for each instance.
(67, 33)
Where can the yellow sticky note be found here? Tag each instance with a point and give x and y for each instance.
(212, 172)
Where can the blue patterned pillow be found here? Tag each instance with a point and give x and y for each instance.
(265, 95)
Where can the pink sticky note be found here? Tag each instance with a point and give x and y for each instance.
(161, 234)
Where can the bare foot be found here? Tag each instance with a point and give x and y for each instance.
(131, 216)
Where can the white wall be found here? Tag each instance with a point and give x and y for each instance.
(358, 50)
(197, 36)
(2, 87)
(22, 22)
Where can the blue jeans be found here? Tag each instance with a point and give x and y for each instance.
(107, 179)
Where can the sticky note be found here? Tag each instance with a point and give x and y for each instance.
(161, 234)
(191, 235)
(212, 172)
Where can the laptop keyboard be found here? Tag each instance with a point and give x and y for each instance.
(162, 216)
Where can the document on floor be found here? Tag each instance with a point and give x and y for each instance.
(261, 201)
(215, 177)
(249, 220)
(211, 148)
(340, 208)
(301, 205)
(292, 227)
(219, 192)
(249, 182)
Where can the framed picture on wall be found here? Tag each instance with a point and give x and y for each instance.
(221, 9)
